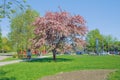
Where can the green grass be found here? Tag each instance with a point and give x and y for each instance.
(36, 69)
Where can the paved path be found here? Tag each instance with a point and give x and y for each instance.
(9, 62)
(17, 61)
(3, 57)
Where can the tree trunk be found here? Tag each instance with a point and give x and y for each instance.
(54, 54)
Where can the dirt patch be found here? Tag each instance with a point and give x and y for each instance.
(80, 75)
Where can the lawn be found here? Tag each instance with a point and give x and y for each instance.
(36, 69)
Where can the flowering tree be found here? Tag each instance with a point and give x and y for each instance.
(59, 30)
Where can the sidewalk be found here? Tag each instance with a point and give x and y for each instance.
(9, 62)
(3, 57)
(17, 61)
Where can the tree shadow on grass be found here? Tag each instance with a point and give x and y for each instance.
(48, 60)
(3, 77)
(2, 72)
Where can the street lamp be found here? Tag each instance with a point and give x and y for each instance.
(97, 45)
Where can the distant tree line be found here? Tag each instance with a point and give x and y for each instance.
(22, 30)
(106, 43)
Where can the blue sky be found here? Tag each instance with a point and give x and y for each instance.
(101, 14)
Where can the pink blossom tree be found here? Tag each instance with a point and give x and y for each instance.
(58, 30)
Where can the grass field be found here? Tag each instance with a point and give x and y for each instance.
(36, 69)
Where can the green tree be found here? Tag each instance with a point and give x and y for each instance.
(106, 42)
(21, 29)
(117, 45)
(8, 7)
(5, 45)
(91, 40)
(109, 42)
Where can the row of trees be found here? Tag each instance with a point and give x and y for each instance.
(106, 42)
(60, 31)
(49, 31)
(55, 29)
(7, 9)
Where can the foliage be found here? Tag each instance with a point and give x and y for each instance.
(106, 42)
(109, 42)
(5, 44)
(117, 45)
(21, 30)
(58, 30)
(91, 40)
(42, 67)
(8, 7)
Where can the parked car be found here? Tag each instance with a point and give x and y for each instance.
(78, 52)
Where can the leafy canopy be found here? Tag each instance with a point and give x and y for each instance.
(59, 30)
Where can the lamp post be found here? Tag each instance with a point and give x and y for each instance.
(97, 45)
(102, 47)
